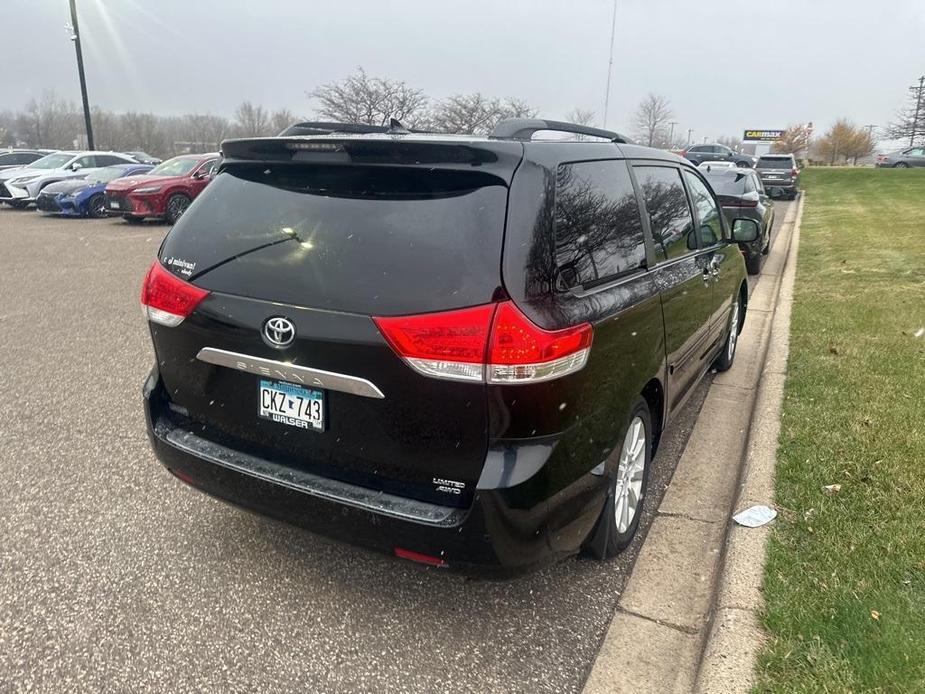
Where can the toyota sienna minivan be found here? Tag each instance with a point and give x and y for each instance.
(457, 350)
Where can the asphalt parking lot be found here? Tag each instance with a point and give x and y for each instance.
(117, 577)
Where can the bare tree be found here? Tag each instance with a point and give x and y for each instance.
(796, 139)
(49, 122)
(731, 141)
(281, 119)
(581, 116)
(910, 120)
(372, 100)
(651, 120)
(475, 113)
(251, 120)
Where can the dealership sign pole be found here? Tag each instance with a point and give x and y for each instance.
(75, 37)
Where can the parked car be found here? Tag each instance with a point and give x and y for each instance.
(164, 192)
(20, 187)
(144, 158)
(85, 197)
(780, 175)
(17, 158)
(903, 159)
(459, 350)
(708, 165)
(716, 152)
(742, 196)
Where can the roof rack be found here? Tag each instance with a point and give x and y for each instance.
(524, 128)
(326, 128)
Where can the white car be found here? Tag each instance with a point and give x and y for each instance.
(716, 165)
(20, 187)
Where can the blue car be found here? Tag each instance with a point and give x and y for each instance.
(84, 197)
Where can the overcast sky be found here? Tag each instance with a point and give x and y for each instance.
(725, 65)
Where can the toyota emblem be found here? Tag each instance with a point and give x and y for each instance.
(279, 332)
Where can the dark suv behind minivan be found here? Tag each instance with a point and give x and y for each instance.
(780, 175)
(458, 350)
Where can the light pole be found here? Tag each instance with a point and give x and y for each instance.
(690, 131)
(671, 133)
(613, 29)
(75, 37)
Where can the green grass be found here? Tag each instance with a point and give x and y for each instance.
(845, 579)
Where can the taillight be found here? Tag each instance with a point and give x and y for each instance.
(794, 172)
(168, 299)
(493, 343)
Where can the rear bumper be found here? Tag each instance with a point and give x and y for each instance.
(505, 532)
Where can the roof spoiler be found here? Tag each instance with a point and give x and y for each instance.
(328, 128)
(524, 129)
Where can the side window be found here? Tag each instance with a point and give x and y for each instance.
(756, 181)
(211, 166)
(669, 212)
(750, 184)
(598, 231)
(109, 160)
(87, 162)
(708, 214)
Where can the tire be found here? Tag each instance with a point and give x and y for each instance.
(753, 265)
(176, 206)
(626, 492)
(96, 206)
(900, 165)
(726, 358)
(132, 219)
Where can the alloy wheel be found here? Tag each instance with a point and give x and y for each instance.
(733, 332)
(630, 473)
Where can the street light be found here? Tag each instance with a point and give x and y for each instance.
(75, 37)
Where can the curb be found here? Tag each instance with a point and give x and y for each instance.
(735, 636)
(688, 609)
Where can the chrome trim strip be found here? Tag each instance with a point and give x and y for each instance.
(285, 371)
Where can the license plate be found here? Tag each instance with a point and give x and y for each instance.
(114, 205)
(287, 403)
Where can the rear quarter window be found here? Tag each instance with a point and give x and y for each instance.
(598, 229)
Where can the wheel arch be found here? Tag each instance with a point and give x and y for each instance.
(654, 395)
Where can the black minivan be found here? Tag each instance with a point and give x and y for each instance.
(458, 350)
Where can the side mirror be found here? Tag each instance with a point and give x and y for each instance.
(199, 175)
(76, 166)
(744, 230)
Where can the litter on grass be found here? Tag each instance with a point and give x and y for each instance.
(755, 516)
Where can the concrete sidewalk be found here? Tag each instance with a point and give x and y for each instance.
(686, 620)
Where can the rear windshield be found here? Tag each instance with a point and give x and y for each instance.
(775, 163)
(732, 184)
(365, 239)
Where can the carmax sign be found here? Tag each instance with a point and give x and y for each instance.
(763, 135)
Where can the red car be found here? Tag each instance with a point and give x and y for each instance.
(165, 192)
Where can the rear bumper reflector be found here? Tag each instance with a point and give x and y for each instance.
(286, 371)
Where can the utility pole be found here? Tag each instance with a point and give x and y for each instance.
(75, 37)
(613, 30)
(671, 133)
(919, 109)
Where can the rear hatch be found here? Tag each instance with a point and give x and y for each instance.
(775, 169)
(328, 234)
